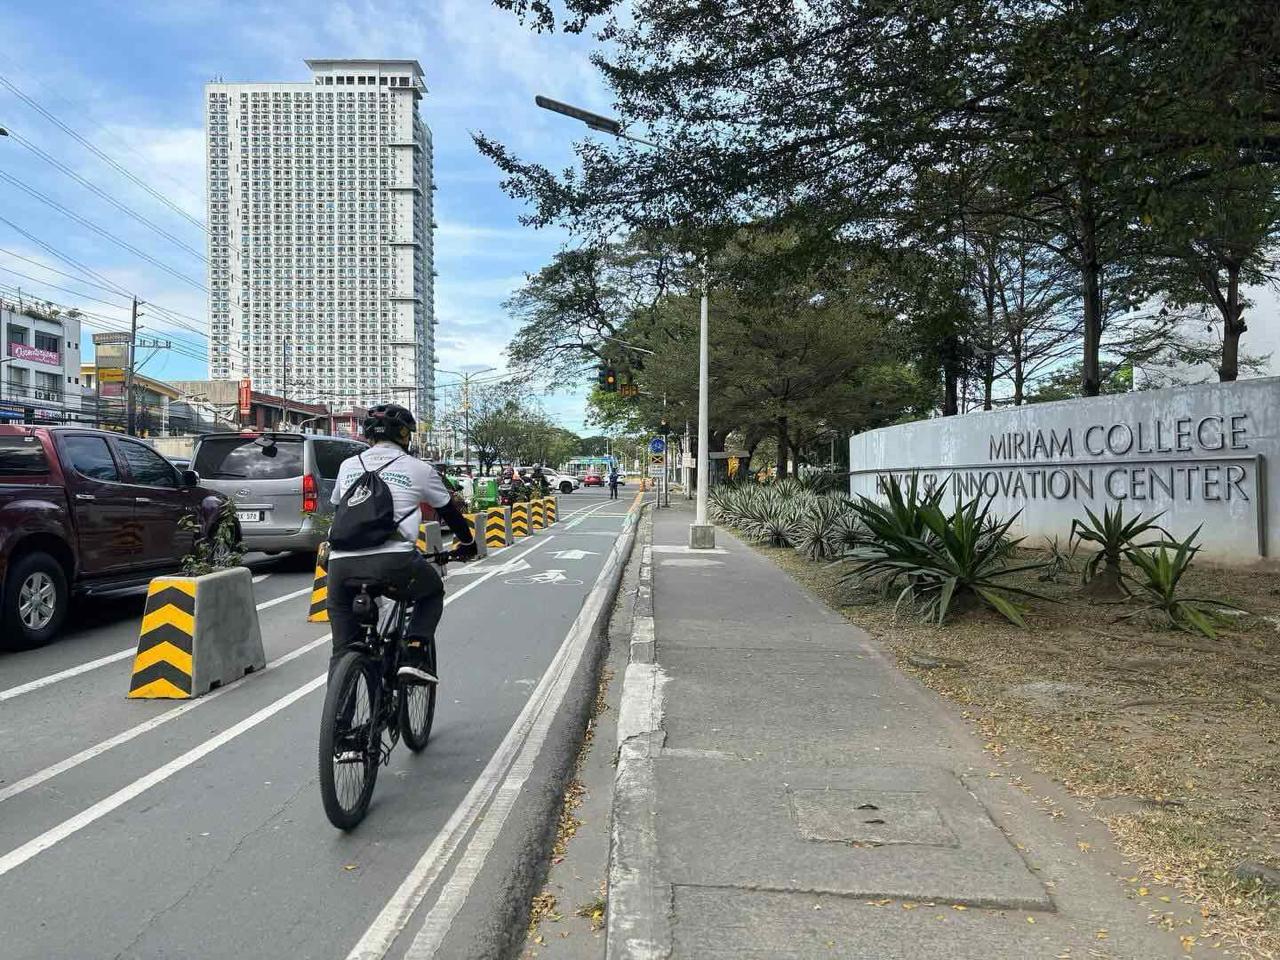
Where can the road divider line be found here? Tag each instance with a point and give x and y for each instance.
(17, 857)
(75, 671)
(394, 917)
(578, 515)
(87, 754)
(67, 828)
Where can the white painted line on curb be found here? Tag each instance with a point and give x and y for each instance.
(87, 754)
(394, 917)
(454, 894)
(75, 671)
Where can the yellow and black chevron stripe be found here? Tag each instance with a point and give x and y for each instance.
(552, 507)
(495, 527)
(162, 666)
(421, 543)
(319, 610)
(537, 518)
(472, 520)
(519, 520)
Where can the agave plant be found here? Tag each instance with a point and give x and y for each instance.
(1113, 536)
(1162, 569)
(817, 529)
(824, 482)
(950, 560)
(1061, 560)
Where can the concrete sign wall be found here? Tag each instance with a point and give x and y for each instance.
(1199, 454)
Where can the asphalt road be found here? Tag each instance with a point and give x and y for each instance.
(194, 829)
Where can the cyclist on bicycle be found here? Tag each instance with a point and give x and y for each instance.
(413, 485)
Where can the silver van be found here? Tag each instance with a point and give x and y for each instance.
(281, 483)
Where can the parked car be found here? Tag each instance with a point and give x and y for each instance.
(85, 511)
(282, 483)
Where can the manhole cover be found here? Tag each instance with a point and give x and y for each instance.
(869, 817)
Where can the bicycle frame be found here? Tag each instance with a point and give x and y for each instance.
(382, 644)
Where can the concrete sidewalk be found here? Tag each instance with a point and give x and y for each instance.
(783, 790)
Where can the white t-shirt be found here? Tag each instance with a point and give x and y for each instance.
(411, 482)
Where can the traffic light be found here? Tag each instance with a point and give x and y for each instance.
(629, 390)
(664, 427)
(608, 380)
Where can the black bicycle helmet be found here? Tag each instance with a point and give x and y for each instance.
(389, 421)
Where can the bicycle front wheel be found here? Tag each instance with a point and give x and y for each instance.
(350, 741)
(418, 706)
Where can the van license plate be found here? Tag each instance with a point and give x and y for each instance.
(249, 516)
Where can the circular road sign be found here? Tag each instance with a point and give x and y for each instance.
(657, 445)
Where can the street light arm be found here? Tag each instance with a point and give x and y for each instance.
(593, 120)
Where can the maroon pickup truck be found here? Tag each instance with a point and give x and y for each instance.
(84, 511)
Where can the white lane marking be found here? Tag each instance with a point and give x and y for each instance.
(56, 834)
(574, 554)
(455, 891)
(546, 576)
(64, 674)
(15, 858)
(75, 671)
(580, 515)
(88, 753)
(304, 592)
(515, 566)
(395, 916)
(260, 577)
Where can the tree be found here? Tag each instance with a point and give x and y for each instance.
(573, 306)
(1221, 239)
(1077, 118)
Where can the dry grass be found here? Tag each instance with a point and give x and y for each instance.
(1179, 735)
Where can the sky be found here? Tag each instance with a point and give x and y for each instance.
(129, 77)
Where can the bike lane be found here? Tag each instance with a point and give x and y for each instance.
(232, 855)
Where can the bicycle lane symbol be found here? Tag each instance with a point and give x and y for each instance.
(547, 577)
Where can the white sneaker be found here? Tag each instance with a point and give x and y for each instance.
(416, 675)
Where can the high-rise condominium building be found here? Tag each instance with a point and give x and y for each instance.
(320, 245)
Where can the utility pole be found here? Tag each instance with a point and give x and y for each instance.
(284, 399)
(466, 406)
(130, 422)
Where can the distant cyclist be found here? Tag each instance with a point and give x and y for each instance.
(412, 485)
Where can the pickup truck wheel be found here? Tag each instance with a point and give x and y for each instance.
(35, 601)
(566, 486)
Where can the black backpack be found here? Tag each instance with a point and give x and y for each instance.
(366, 515)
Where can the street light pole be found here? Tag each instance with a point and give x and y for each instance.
(702, 536)
(466, 407)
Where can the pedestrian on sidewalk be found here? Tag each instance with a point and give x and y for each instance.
(613, 483)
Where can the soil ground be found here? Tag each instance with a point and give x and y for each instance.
(1173, 740)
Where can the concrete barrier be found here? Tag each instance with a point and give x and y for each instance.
(497, 527)
(537, 515)
(551, 505)
(476, 522)
(318, 612)
(520, 527)
(198, 633)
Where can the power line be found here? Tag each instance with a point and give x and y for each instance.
(118, 291)
(98, 153)
(101, 231)
(106, 284)
(123, 208)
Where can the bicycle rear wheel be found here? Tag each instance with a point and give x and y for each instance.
(350, 741)
(418, 707)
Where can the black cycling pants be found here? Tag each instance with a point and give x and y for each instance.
(408, 571)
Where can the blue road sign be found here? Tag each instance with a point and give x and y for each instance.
(657, 445)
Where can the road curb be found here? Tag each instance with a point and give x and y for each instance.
(638, 924)
(492, 919)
